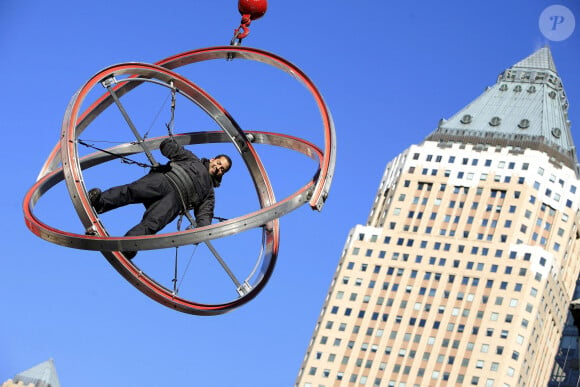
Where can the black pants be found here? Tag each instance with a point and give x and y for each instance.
(162, 203)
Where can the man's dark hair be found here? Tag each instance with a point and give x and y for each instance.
(227, 158)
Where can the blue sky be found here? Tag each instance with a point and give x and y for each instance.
(388, 70)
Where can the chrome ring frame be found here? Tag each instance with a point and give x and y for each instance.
(314, 192)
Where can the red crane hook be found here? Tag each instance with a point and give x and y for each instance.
(250, 10)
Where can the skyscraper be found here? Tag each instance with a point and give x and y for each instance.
(466, 267)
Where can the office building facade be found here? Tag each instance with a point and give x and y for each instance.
(465, 269)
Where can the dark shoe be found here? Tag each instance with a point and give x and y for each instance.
(95, 199)
(129, 254)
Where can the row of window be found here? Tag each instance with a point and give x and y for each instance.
(555, 195)
(426, 306)
(436, 375)
(443, 261)
(414, 321)
(432, 292)
(465, 280)
(541, 236)
(428, 186)
(416, 338)
(468, 265)
(549, 192)
(501, 164)
(527, 215)
(483, 176)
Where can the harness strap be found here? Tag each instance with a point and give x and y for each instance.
(185, 208)
(184, 184)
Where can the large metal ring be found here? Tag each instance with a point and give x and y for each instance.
(70, 169)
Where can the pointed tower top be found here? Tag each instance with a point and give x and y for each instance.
(540, 60)
(526, 108)
(41, 375)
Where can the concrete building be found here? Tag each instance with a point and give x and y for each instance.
(466, 267)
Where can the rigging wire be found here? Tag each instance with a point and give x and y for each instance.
(171, 122)
(177, 283)
(186, 269)
(161, 108)
(176, 258)
(123, 159)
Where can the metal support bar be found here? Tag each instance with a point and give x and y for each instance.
(223, 263)
(107, 83)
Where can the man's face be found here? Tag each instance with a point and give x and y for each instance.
(218, 166)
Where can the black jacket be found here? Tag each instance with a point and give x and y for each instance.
(199, 183)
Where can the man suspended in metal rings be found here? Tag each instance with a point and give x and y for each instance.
(185, 183)
(65, 164)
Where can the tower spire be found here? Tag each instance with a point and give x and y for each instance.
(526, 108)
(41, 375)
(539, 60)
